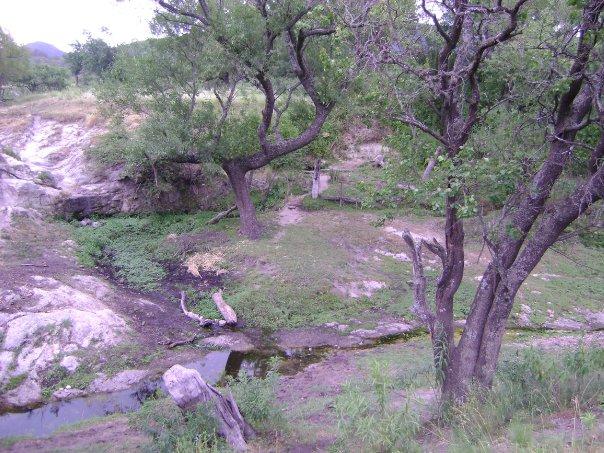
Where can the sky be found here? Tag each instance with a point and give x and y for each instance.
(62, 22)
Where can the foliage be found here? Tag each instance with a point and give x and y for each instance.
(527, 386)
(14, 382)
(367, 421)
(94, 57)
(14, 62)
(43, 77)
(135, 247)
(173, 430)
(256, 398)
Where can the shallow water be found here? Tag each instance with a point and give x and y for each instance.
(45, 420)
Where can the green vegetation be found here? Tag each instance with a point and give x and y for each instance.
(14, 382)
(136, 247)
(171, 430)
(256, 398)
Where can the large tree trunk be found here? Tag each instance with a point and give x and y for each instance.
(316, 180)
(247, 211)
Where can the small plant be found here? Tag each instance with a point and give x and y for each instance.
(368, 421)
(9, 152)
(256, 398)
(173, 430)
(589, 420)
(521, 433)
(317, 204)
(14, 382)
(46, 179)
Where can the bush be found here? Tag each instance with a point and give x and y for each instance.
(171, 430)
(256, 398)
(44, 77)
(528, 386)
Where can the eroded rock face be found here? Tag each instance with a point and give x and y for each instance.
(54, 321)
(48, 172)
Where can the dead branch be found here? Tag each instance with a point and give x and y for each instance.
(221, 215)
(225, 309)
(188, 389)
(420, 306)
(200, 319)
(177, 343)
(341, 199)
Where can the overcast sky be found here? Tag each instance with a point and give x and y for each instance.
(61, 22)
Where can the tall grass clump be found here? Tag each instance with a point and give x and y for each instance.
(527, 386)
(173, 431)
(256, 398)
(368, 421)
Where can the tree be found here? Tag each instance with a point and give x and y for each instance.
(280, 50)
(43, 77)
(14, 62)
(75, 61)
(446, 70)
(98, 56)
(94, 56)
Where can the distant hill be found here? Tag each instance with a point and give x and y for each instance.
(43, 52)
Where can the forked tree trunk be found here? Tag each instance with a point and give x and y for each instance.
(316, 180)
(247, 211)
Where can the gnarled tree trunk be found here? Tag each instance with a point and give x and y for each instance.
(247, 211)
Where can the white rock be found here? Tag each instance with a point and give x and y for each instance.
(102, 326)
(27, 394)
(70, 363)
(121, 381)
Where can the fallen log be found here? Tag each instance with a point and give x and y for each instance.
(228, 314)
(200, 319)
(221, 215)
(188, 389)
(342, 199)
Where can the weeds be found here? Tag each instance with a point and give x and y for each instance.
(173, 430)
(528, 387)
(256, 398)
(14, 382)
(367, 420)
(135, 247)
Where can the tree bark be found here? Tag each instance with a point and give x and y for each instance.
(247, 211)
(316, 180)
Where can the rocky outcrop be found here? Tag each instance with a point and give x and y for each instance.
(46, 171)
(43, 323)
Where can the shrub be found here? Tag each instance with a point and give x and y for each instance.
(173, 430)
(256, 398)
(530, 384)
(367, 421)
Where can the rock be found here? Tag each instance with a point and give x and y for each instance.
(70, 363)
(121, 381)
(27, 395)
(523, 319)
(384, 330)
(85, 222)
(235, 341)
(188, 389)
(67, 393)
(595, 320)
(564, 324)
(102, 327)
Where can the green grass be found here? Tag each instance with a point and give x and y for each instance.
(14, 382)
(173, 430)
(136, 246)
